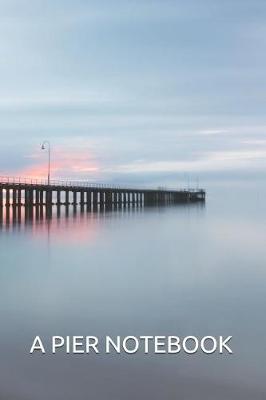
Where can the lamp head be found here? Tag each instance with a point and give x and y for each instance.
(43, 146)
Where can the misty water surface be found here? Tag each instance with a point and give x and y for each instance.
(181, 270)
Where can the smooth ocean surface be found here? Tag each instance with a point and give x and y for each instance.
(181, 270)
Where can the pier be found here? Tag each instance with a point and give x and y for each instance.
(29, 193)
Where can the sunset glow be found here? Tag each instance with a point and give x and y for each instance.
(77, 164)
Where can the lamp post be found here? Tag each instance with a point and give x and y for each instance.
(46, 143)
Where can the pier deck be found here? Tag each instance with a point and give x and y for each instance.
(32, 192)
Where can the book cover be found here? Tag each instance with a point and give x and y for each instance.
(132, 199)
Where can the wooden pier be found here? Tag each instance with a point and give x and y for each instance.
(19, 192)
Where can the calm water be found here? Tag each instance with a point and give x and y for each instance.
(183, 270)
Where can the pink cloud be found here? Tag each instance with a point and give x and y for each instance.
(76, 164)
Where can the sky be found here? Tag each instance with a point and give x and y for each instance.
(155, 92)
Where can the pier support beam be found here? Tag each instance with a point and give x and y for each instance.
(95, 199)
(67, 198)
(58, 199)
(102, 199)
(108, 199)
(41, 197)
(19, 197)
(74, 198)
(115, 198)
(31, 197)
(37, 197)
(14, 197)
(82, 198)
(7, 197)
(88, 200)
(124, 199)
(49, 198)
(128, 198)
(120, 199)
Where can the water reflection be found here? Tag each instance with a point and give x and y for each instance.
(61, 218)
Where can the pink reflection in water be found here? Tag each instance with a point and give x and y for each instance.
(62, 225)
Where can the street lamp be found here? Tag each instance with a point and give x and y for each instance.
(46, 143)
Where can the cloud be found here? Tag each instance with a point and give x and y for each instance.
(215, 161)
(213, 132)
(76, 162)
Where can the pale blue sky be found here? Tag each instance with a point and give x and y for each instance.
(144, 91)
